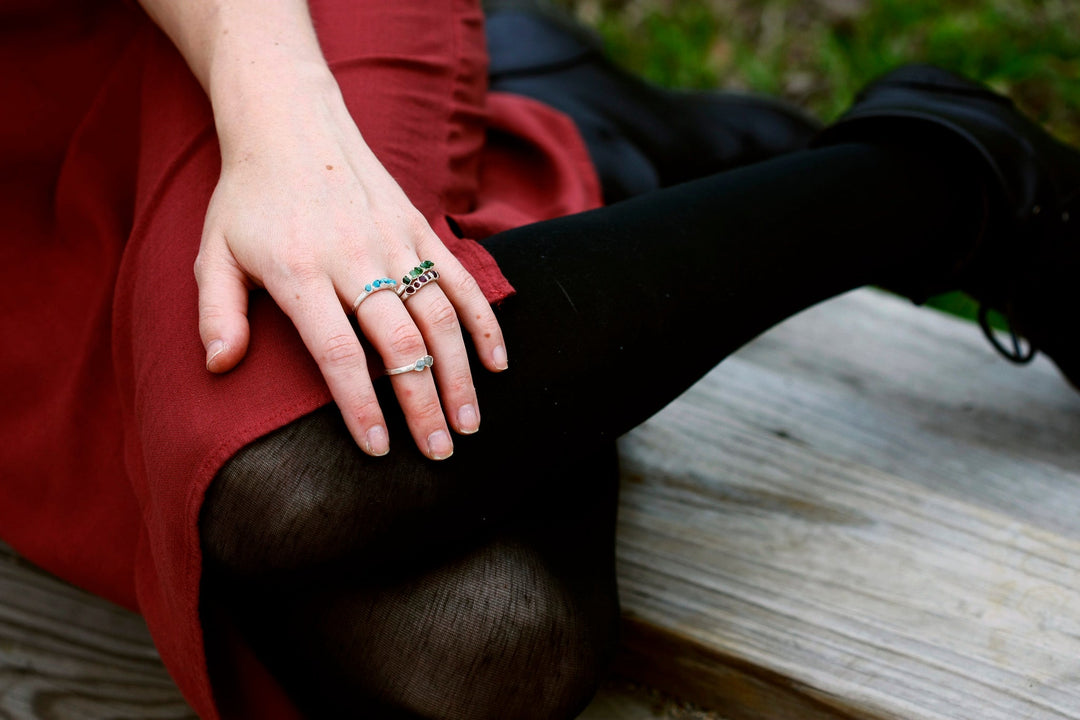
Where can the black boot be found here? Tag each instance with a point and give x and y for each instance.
(640, 136)
(1028, 263)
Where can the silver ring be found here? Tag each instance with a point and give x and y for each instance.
(371, 288)
(407, 291)
(419, 366)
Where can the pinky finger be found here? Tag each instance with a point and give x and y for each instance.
(474, 312)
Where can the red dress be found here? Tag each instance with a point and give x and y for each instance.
(112, 428)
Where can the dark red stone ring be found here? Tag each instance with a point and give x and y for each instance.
(407, 291)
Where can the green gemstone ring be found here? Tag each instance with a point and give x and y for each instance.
(417, 271)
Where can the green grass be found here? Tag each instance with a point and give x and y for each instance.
(819, 53)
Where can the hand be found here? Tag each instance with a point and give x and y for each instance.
(305, 210)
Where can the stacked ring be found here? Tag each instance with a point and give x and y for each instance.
(417, 272)
(371, 288)
(407, 291)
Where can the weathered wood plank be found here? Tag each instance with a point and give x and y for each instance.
(67, 655)
(864, 514)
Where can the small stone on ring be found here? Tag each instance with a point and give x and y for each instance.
(419, 366)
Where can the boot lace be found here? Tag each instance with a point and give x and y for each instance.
(1017, 353)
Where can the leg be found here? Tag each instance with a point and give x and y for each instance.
(517, 620)
(627, 306)
(659, 288)
(677, 279)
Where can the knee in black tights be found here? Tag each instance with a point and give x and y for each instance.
(518, 619)
(494, 634)
(285, 501)
(306, 495)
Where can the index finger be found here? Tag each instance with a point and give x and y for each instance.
(331, 340)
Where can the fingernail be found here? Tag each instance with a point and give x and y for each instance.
(499, 356)
(214, 349)
(439, 445)
(468, 422)
(377, 442)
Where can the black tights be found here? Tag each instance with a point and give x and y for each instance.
(483, 586)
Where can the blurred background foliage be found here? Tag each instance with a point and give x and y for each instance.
(818, 53)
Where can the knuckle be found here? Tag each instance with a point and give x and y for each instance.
(460, 384)
(427, 413)
(341, 350)
(357, 254)
(366, 407)
(211, 311)
(441, 317)
(417, 227)
(464, 285)
(404, 340)
(292, 268)
(301, 272)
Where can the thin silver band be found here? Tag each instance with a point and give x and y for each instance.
(419, 366)
(382, 284)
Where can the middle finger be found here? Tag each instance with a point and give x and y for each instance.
(386, 323)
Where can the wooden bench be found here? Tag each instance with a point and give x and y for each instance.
(863, 514)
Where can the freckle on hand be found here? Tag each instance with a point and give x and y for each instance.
(487, 335)
(329, 167)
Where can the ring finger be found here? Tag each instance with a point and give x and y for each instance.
(389, 327)
(438, 321)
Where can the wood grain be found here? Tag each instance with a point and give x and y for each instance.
(67, 655)
(863, 514)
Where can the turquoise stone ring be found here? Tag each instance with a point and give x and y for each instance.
(371, 288)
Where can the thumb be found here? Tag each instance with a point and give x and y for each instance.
(223, 302)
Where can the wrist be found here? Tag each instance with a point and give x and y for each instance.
(256, 59)
(260, 93)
